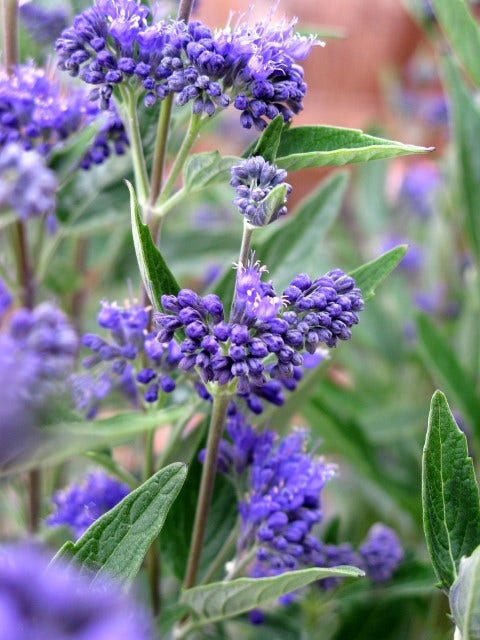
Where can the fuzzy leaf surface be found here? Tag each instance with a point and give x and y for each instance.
(116, 543)
(156, 276)
(221, 600)
(319, 146)
(451, 510)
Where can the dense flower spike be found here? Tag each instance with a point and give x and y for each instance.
(381, 553)
(79, 505)
(132, 361)
(37, 354)
(283, 499)
(39, 600)
(27, 186)
(260, 328)
(117, 40)
(253, 179)
(6, 298)
(38, 112)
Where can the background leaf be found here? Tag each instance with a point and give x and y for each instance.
(319, 146)
(462, 33)
(64, 440)
(370, 275)
(451, 510)
(156, 276)
(225, 599)
(466, 131)
(116, 543)
(449, 372)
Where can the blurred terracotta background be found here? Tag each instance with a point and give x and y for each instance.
(346, 77)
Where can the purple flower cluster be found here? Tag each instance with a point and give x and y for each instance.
(27, 185)
(283, 503)
(39, 600)
(253, 180)
(37, 112)
(132, 360)
(281, 484)
(79, 505)
(262, 326)
(419, 188)
(44, 25)
(381, 553)
(37, 355)
(116, 40)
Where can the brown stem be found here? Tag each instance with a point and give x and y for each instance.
(34, 499)
(10, 33)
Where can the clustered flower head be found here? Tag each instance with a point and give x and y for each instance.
(115, 41)
(79, 505)
(38, 112)
(37, 355)
(39, 600)
(27, 185)
(280, 486)
(253, 180)
(131, 361)
(282, 503)
(261, 348)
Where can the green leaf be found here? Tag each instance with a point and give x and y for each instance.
(64, 440)
(370, 275)
(274, 201)
(450, 373)
(156, 276)
(221, 600)
(267, 144)
(116, 543)
(203, 169)
(465, 597)
(451, 510)
(462, 32)
(291, 246)
(319, 146)
(466, 130)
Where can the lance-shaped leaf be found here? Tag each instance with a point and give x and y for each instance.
(462, 32)
(64, 440)
(451, 511)
(370, 275)
(204, 169)
(267, 145)
(156, 276)
(116, 543)
(465, 597)
(221, 600)
(319, 146)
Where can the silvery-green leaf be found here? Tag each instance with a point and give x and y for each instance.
(465, 597)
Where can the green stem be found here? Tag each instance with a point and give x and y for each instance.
(138, 157)
(222, 556)
(10, 33)
(160, 152)
(25, 274)
(190, 137)
(243, 256)
(217, 421)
